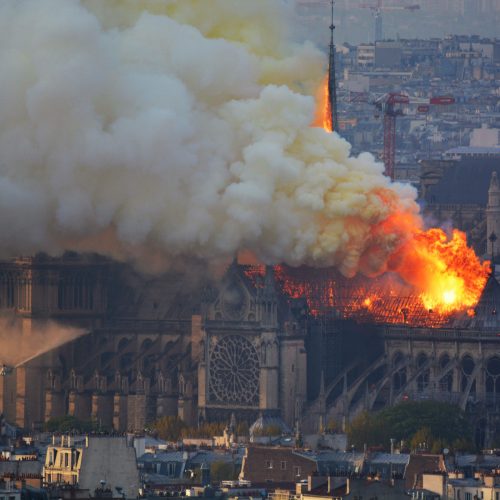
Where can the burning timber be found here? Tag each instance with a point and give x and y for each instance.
(382, 300)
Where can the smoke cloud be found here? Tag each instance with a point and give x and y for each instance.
(180, 127)
(20, 345)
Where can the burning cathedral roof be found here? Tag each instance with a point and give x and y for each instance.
(386, 299)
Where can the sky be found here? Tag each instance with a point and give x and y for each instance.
(435, 18)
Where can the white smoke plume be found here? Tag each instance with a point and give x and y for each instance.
(179, 127)
(21, 344)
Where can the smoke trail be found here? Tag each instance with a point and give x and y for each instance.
(20, 344)
(179, 128)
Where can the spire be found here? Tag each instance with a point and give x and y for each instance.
(494, 192)
(322, 403)
(332, 79)
(269, 283)
(493, 217)
(494, 182)
(322, 384)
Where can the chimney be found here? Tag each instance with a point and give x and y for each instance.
(335, 482)
(392, 445)
(314, 480)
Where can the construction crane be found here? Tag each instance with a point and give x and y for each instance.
(377, 10)
(392, 105)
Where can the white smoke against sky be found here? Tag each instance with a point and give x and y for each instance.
(172, 128)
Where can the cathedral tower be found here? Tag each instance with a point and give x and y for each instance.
(493, 217)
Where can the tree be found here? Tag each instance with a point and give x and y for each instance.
(444, 425)
(206, 430)
(368, 429)
(242, 429)
(222, 471)
(268, 431)
(169, 428)
(332, 427)
(423, 439)
(68, 423)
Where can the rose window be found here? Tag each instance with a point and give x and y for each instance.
(234, 372)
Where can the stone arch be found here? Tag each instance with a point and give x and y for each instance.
(146, 344)
(492, 370)
(148, 363)
(467, 366)
(168, 346)
(421, 359)
(444, 360)
(397, 358)
(445, 377)
(105, 358)
(123, 343)
(422, 380)
(126, 361)
(493, 366)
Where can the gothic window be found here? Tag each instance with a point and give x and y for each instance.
(444, 360)
(423, 381)
(446, 383)
(493, 376)
(399, 379)
(234, 372)
(75, 291)
(421, 360)
(234, 302)
(397, 359)
(467, 366)
(8, 290)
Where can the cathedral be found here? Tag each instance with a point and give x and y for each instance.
(147, 347)
(123, 348)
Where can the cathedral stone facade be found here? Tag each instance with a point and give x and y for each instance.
(146, 347)
(252, 354)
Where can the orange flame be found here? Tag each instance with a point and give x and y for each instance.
(446, 272)
(323, 117)
(435, 276)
